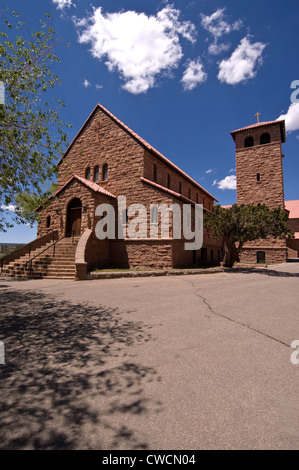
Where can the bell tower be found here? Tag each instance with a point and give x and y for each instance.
(259, 176)
(259, 163)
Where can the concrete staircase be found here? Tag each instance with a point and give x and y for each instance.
(48, 264)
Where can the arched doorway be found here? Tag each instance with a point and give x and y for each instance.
(73, 220)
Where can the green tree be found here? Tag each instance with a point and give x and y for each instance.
(32, 135)
(26, 203)
(243, 223)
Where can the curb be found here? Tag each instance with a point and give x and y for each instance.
(170, 272)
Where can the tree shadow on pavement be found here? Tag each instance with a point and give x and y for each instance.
(263, 271)
(70, 380)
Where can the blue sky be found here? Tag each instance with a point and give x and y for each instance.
(181, 74)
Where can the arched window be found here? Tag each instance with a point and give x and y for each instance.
(87, 173)
(105, 172)
(265, 138)
(248, 142)
(96, 174)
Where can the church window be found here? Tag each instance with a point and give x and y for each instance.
(87, 173)
(265, 138)
(96, 174)
(48, 221)
(168, 181)
(258, 177)
(125, 217)
(155, 173)
(196, 198)
(189, 193)
(248, 142)
(105, 172)
(154, 215)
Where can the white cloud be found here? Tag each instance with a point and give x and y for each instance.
(209, 171)
(86, 83)
(99, 87)
(10, 207)
(229, 182)
(61, 4)
(215, 49)
(217, 25)
(137, 46)
(291, 118)
(232, 170)
(242, 64)
(193, 75)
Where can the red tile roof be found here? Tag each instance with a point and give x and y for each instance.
(293, 208)
(91, 185)
(143, 142)
(260, 124)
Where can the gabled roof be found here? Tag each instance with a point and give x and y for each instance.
(138, 139)
(261, 124)
(89, 184)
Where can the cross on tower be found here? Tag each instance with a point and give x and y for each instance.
(258, 116)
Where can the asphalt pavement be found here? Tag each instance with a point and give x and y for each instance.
(177, 362)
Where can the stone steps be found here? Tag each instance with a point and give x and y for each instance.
(62, 266)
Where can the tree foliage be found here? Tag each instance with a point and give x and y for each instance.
(26, 203)
(32, 135)
(243, 223)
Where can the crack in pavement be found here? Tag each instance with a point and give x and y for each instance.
(231, 319)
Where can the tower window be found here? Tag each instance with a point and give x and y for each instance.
(48, 221)
(96, 174)
(248, 142)
(265, 138)
(87, 173)
(168, 181)
(258, 177)
(105, 172)
(189, 193)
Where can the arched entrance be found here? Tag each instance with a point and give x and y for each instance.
(73, 219)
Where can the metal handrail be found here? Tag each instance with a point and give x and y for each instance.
(48, 247)
(27, 248)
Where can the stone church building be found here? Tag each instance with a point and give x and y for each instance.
(107, 161)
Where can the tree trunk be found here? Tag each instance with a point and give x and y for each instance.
(231, 254)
